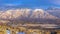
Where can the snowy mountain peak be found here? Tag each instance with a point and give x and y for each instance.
(26, 13)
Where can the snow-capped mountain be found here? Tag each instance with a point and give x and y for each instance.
(30, 15)
(26, 13)
(54, 11)
(39, 13)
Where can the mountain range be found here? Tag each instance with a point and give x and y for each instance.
(51, 15)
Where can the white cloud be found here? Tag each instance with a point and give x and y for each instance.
(11, 4)
(56, 2)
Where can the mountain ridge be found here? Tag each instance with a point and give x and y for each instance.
(36, 13)
(29, 15)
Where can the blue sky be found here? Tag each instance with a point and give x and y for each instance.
(31, 3)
